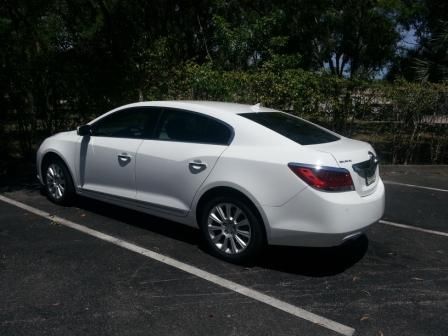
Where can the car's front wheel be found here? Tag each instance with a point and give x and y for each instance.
(58, 182)
(232, 230)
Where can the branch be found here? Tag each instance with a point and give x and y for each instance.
(201, 30)
(330, 62)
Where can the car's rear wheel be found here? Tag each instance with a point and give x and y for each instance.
(232, 229)
(58, 182)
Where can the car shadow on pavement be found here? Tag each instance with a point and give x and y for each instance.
(140, 220)
(315, 261)
(308, 261)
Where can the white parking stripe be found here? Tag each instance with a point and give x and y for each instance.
(415, 186)
(415, 228)
(233, 286)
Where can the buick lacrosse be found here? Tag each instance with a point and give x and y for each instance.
(246, 175)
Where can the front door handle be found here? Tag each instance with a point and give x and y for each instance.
(197, 166)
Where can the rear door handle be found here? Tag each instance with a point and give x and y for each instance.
(197, 166)
(124, 157)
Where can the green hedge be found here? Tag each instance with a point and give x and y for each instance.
(399, 118)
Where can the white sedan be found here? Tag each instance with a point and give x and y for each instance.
(245, 175)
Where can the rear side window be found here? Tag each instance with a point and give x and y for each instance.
(293, 128)
(185, 126)
(134, 123)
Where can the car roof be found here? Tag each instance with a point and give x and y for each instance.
(214, 107)
(226, 112)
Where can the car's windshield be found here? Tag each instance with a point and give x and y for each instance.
(293, 128)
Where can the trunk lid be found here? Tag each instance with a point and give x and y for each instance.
(359, 158)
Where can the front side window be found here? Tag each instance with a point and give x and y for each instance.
(185, 126)
(134, 123)
(295, 129)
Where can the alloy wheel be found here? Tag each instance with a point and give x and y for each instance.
(56, 182)
(229, 228)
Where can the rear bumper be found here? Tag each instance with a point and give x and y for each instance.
(315, 218)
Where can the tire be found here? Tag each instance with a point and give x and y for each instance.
(237, 239)
(58, 182)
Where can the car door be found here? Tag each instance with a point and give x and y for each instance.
(171, 167)
(107, 157)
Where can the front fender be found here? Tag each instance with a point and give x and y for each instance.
(65, 146)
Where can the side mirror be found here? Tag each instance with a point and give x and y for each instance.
(84, 130)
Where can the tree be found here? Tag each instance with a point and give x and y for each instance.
(432, 62)
(349, 37)
(428, 61)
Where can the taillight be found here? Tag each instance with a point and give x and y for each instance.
(324, 178)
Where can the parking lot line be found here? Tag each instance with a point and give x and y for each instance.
(415, 186)
(233, 286)
(415, 228)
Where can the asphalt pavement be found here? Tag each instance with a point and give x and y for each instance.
(56, 280)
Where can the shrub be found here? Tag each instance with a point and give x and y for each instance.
(406, 122)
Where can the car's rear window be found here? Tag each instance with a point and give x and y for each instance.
(293, 128)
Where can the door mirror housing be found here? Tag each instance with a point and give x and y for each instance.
(84, 130)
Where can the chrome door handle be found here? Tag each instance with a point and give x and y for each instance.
(124, 157)
(197, 166)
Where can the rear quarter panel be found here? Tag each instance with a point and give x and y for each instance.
(263, 172)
